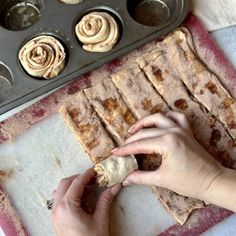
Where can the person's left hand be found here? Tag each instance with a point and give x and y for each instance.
(68, 215)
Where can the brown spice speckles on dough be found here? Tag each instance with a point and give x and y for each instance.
(225, 159)
(215, 137)
(231, 144)
(230, 122)
(92, 144)
(147, 104)
(157, 73)
(129, 118)
(201, 91)
(111, 104)
(212, 87)
(181, 104)
(228, 102)
(156, 109)
(87, 130)
(74, 113)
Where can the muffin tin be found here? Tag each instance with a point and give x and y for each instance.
(55, 18)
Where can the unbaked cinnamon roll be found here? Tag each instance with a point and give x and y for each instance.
(43, 56)
(114, 170)
(98, 31)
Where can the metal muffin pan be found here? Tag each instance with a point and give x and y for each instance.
(59, 20)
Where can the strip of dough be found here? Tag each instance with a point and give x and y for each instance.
(169, 199)
(138, 93)
(202, 83)
(84, 123)
(179, 206)
(114, 170)
(43, 56)
(112, 110)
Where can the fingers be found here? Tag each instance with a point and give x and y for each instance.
(62, 188)
(180, 119)
(143, 146)
(158, 120)
(104, 203)
(141, 177)
(149, 133)
(77, 187)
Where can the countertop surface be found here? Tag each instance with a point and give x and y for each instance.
(226, 40)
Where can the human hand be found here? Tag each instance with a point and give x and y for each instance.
(68, 215)
(186, 167)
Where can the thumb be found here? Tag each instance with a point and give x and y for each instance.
(104, 203)
(141, 177)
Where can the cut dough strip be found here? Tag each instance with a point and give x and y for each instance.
(179, 206)
(84, 123)
(112, 110)
(114, 170)
(138, 93)
(203, 84)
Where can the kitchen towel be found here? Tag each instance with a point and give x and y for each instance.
(215, 14)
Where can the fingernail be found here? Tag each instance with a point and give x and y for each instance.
(126, 183)
(116, 189)
(114, 150)
(131, 128)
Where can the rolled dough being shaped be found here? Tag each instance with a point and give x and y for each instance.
(114, 170)
(71, 1)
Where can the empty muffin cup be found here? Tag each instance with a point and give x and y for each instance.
(43, 57)
(98, 31)
(6, 81)
(19, 15)
(149, 12)
(71, 1)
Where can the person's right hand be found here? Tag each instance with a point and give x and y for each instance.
(186, 167)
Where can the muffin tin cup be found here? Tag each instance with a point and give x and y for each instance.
(18, 15)
(59, 19)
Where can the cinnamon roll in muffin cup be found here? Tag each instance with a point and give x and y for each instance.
(43, 57)
(98, 32)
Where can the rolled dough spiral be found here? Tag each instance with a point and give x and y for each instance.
(43, 56)
(114, 170)
(98, 31)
